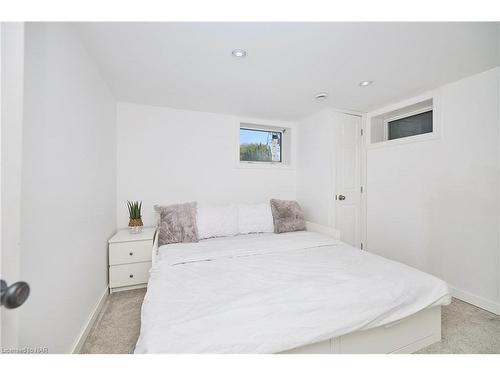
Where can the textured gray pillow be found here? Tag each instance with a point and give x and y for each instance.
(177, 223)
(287, 216)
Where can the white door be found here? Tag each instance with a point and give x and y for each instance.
(348, 178)
(1, 74)
(11, 105)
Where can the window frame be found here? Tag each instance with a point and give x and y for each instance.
(405, 115)
(414, 104)
(268, 129)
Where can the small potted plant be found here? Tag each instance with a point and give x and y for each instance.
(134, 211)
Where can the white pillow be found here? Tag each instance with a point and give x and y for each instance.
(217, 221)
(255, 218)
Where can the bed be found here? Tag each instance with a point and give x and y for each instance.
(298, 292)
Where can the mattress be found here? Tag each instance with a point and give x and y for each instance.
(267, 293)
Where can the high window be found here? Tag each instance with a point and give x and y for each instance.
(261, 145)
(407, 126)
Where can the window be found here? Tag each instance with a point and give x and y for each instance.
(404, 124)
(416, 124)
(261, 145)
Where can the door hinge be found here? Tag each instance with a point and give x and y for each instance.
(361, 189)
(361, 131)
(361, 246)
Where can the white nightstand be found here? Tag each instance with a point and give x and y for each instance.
(130, 259)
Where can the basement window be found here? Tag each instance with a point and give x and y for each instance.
(410, 125)
(261, 144)
(408, 122)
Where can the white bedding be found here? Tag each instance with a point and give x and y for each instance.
(267, 293)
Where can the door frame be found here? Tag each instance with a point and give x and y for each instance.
(362, 167)
(1, 170)
(362, 170)
(12, 101)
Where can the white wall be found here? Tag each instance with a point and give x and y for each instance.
(316, 167)
(68, 187)
(435, 204)
(169, 156)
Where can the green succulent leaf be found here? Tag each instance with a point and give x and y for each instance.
(134, 209)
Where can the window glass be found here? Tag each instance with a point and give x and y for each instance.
(260, 145)
(412, 125)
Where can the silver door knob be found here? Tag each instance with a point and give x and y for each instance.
(341, 197)
(14, 295)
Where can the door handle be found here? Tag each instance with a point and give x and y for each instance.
(15, 295)
(341, 197)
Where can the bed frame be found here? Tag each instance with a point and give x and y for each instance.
(407, 335)
(404, 336)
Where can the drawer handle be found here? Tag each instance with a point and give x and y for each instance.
(131, 253)
(131, 276)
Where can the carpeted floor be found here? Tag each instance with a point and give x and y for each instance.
(466, 328)
(117, 328)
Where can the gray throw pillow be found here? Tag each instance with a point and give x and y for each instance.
(177, 223)
(287, 216)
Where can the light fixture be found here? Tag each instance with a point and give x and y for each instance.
(321, 96)
(365, 83)
(239, 53)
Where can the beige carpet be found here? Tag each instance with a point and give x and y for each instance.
(466, 328)
(117, 328)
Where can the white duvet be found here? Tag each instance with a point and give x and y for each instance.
(268, 293)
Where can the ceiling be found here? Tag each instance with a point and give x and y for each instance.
(190, 66)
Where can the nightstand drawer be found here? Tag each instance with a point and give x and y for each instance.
(129, 274)
(130, 252)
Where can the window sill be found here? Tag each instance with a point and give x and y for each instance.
(260, 165)
(404, 140)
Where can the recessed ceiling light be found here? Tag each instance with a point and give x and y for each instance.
(239, 53)
(321, 96)
(365, 83)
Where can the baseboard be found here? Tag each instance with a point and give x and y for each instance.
(124, 288)
(475, 300)
(77, 347)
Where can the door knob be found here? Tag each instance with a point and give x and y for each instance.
(15, 295)
(341, 197)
